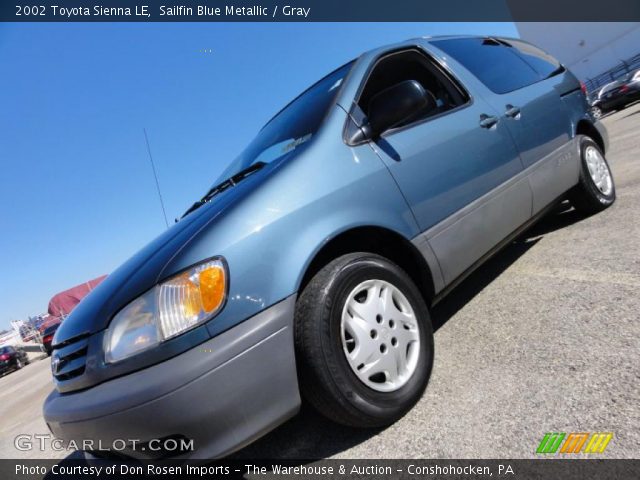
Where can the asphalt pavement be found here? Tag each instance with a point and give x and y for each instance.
(543, 338)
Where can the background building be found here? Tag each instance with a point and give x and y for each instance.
(596, 52)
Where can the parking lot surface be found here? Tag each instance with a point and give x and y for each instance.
(543, 338)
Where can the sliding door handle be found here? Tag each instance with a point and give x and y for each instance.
(512, 112)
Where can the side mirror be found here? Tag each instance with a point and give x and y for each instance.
(394, 105)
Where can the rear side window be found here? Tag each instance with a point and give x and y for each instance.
(501, 67)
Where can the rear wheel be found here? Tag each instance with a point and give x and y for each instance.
(596, 189)
(364, 341)
(596, 112)
(18, 364)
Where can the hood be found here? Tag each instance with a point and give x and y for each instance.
(144, 269)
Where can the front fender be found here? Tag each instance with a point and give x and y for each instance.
(269, 238)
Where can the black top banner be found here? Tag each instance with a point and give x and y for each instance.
(319, 10)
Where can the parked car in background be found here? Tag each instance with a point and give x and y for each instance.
(310, 267)
(12, 358)
(47, 337)
(617, 95)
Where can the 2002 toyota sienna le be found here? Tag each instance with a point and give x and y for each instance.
(308, 270)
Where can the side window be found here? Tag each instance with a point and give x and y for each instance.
(413, 65)
(495, 64)
(541, 61)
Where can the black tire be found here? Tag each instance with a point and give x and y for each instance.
(586, 197)
(327, 381)
(18, 364)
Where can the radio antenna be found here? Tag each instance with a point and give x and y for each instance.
(155, 176)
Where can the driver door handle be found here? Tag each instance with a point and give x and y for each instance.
(487, 121)
(512, 112)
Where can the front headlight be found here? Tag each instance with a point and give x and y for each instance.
(169, 309)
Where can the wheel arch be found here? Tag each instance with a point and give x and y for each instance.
(587, 128)
(381, 241)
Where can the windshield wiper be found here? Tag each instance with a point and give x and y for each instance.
(229, 182)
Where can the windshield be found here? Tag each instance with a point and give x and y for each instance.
(292, 126)
(4, 350)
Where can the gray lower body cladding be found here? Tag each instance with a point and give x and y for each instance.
(455, 244)
(223, 394)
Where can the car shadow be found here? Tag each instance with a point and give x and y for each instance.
(310, 436)
(564, 215)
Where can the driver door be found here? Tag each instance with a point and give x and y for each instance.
(456, 165)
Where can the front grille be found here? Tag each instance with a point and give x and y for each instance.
(69, 361)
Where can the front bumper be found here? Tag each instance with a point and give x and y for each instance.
(223, 394)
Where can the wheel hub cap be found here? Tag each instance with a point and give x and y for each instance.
(380, 335)
(598, 170)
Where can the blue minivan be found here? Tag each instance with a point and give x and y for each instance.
(308, 270)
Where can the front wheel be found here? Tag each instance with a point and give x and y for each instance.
(364, 341)
(595, 190)
(596, 112)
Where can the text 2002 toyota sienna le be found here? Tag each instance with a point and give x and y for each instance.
(309, 268)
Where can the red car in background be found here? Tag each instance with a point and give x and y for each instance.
(47, 336)
(60, 306)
